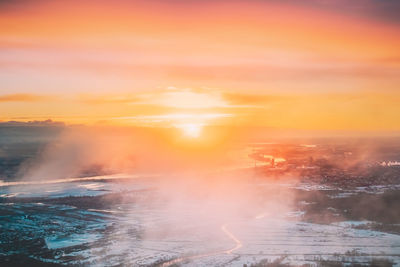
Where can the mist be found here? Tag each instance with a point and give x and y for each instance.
(159, 198)
(192, 191)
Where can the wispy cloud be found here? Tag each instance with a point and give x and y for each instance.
(384, 10)
(240, 99)
(175, 118)
(25, 98)
(108, 99)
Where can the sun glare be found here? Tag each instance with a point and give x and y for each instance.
(191, 130)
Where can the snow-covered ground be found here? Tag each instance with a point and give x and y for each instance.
(143, 233)
(250, 240)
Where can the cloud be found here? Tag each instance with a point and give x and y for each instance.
(25, 98)
(251, 99)
(109, 99)
(47, 122)
(176, 118)
(186, 98)
(385, 10)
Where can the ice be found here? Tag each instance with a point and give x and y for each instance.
(56, 242)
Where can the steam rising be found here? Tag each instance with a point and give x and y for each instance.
(176, 189)
(193, 192)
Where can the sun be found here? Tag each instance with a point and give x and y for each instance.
(192, 130)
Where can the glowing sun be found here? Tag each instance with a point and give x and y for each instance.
(192, 130)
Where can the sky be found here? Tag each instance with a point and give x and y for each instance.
(309, 65)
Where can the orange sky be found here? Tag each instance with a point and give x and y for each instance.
(312, 65)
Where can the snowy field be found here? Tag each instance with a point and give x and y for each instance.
(140, 231)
